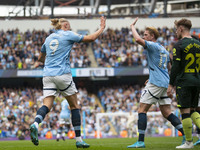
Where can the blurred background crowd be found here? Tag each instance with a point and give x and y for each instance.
(114, 48)
(21, 50)
(19, 106)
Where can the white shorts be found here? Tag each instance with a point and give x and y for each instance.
(53, 85)
(64, 121)
(153, 94)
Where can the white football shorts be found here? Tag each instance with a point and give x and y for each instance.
(64, 84)
(65, 121)
(153, 94)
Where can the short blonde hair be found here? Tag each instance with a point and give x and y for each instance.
(184, 22)
(56, 23)
(153, 31)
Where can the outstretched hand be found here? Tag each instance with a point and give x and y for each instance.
(134, 22)
(103, 22)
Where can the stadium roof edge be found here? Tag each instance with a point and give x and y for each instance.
(84, 2)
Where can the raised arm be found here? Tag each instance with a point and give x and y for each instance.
(138, 39)
(94, 36)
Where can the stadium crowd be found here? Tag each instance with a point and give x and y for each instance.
(114, 48)
(117, 48)
(126, 99)
(18, 108)
(21, 50)
(123, 98)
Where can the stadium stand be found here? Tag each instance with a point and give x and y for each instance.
(21, 50)
(109, 73)
(18, 107)
(115, 48)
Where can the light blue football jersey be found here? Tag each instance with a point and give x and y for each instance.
(65, 111)
(57, 47)
(158, 58)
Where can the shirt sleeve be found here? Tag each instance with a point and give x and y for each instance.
(43, 49)
(175, 64)
(76, 37)
(150, 46)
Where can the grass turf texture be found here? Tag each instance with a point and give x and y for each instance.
(155, 143)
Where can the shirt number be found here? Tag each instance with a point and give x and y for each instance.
(53, 46)
(188, 68)
(163, 61)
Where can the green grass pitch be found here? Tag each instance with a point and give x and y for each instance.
(152, 143)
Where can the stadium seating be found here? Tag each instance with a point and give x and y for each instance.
(18, 108)
(117, 48)
(21, 50)
(114, 48)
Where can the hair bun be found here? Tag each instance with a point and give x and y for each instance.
(54, 22)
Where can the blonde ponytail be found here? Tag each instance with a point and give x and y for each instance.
(56, 23)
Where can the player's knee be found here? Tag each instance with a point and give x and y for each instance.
(142, 111)
(166, 115)
(74, 106)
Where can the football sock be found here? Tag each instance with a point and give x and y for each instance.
(41, 113)
(196, 118)
(142, 124)
(187, 126)
(79, 139)
(76, 121)
(176, 122)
